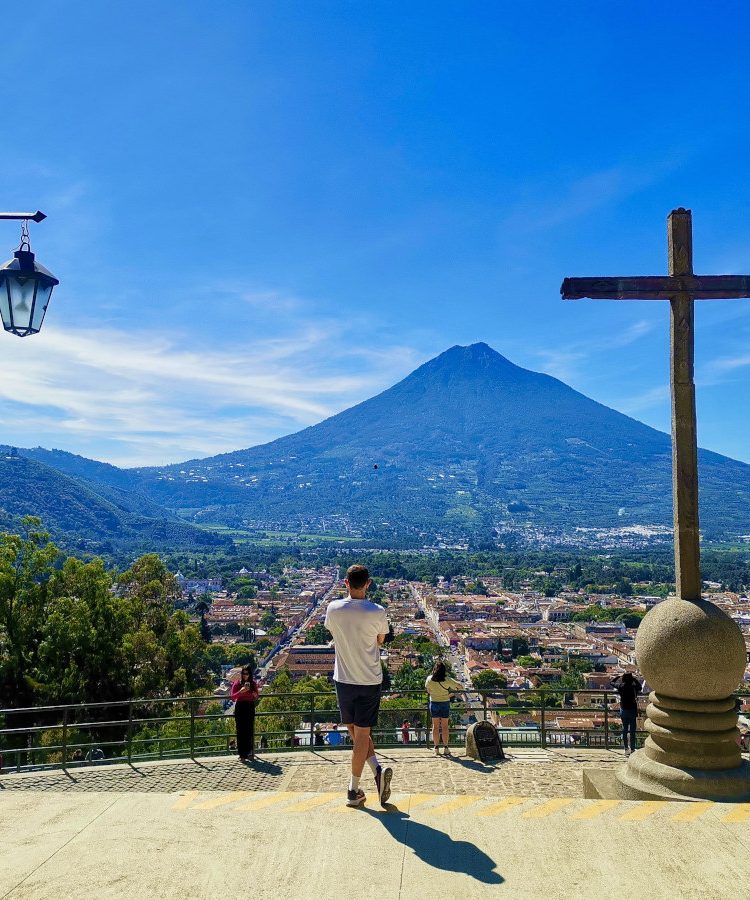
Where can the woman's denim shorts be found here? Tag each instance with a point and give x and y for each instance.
(440, 710)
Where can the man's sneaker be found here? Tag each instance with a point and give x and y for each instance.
(446, 751)
(437, 749)
(383, 782)
(355, 798)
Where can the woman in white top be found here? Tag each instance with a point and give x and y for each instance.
(439, 686)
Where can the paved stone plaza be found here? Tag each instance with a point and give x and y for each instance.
(527, 772)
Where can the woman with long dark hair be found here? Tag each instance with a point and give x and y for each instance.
(439, 686)
(628, 688)
(245, 694)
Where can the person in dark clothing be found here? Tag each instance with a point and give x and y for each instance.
(628, 688)
(244, 693)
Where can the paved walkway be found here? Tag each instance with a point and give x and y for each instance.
(529, 772)
(271, 844)
(212, 828)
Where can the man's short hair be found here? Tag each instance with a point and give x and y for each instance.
(357, 576)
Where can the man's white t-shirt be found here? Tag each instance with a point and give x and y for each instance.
(355, 626)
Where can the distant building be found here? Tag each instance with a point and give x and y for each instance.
(198, 585)
(309, 659)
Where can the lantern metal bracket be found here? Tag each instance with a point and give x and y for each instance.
(33, 216)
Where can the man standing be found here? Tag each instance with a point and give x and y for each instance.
(359, 627)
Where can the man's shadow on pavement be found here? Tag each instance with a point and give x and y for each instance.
(436, 848)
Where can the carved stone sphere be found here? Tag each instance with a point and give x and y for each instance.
(691, 650)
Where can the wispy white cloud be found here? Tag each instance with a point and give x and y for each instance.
(557, 200)
(631, 334)
(725, 364)
(573, 363)
(645, 400)
(153, 400)
(562, 364)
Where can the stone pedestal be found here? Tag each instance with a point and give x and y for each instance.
(693, 656)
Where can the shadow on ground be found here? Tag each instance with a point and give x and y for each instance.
(436, 848)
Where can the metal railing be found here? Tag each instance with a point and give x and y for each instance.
(73, 735)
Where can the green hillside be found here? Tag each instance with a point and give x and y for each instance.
(80, 518)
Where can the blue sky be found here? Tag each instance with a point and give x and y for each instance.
(262, 213)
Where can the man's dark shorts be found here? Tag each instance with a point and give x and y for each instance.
(358, 703)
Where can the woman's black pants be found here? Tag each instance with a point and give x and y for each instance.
(244, 719)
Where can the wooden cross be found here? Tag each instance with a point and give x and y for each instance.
(681, 288)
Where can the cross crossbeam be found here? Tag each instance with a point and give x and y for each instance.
(681, 287)
(657, 287)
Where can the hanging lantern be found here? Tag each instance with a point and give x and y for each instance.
(25, 290)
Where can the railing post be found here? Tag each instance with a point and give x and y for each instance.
(543, 723)
(253, 704)
(312, 721)
(192, 728)
(606, 721)
(65, 738)
(130, 732)
(484, 707)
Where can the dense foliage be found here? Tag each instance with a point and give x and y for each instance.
(72, 631)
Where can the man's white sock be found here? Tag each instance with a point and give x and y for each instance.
(354, 783)
(373, 763)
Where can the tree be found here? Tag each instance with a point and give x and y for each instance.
(410, 678)
(528, 662)
(488, 680)
(83, 648)
(241, 655)
(318, 634)
(166, 651)
(202, 607)
(631, 619)
(572, 681)
(70, 632)
(26, 561)
(268, 619)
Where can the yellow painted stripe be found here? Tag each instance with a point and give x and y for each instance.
(419, 799)
(692, 811)
(186, 799)
(267, 800)
(740, 812)
(456, 803)
(595, 808)
(223, 800)
(312, 802)
(551, 806)
(642, 810)
(495, 808)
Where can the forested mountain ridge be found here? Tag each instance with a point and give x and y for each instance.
(80, 517)
(467, 443)
(467, 446)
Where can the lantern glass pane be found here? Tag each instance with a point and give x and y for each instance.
(40, 307)
(4, 304)
(21, 298)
